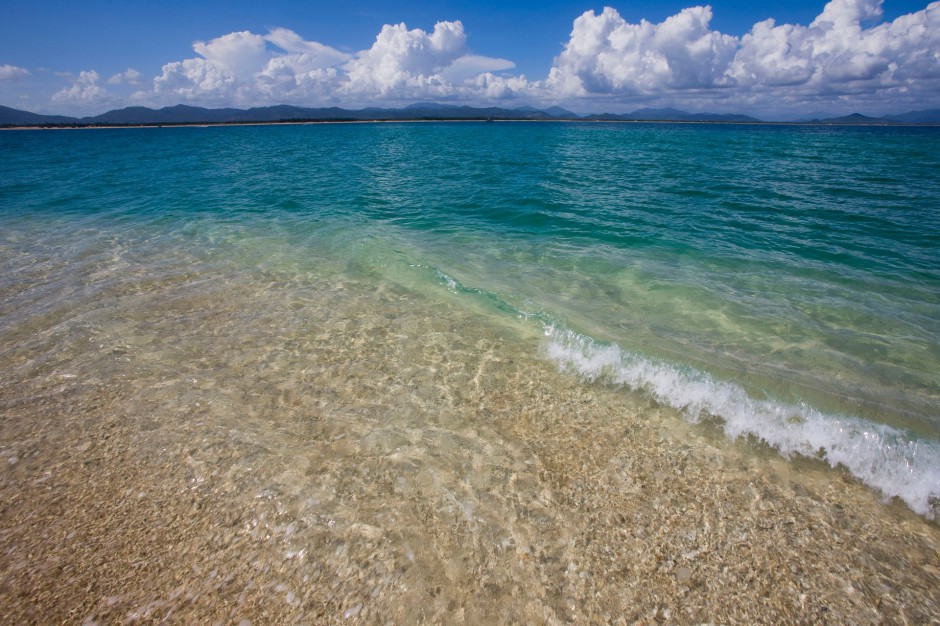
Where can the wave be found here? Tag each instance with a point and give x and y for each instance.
(893, 461)
(888, 459)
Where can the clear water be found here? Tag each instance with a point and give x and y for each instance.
(782, 282)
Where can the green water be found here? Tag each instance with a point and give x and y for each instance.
(781, 281)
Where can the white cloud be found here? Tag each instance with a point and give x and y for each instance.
(83, 91)
(12, 72)
(306, 70)
(410, 64)
(241, 54)
(607, 54)
(282, 83)
(837, 54)
(311, 55)
(844, 56)
(244, 68)
(130, 76)
(847, 14)
(471, 65)
(401, 60)
(195, 80)
(488, 85)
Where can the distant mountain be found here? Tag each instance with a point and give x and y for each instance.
(671, 115)
(450, 111)
(430, 105)
(810, 116)
(184, 114)
(930, 116)
(15, 117)
(420, 110)
(857, 119)
(560, 112)
(659, 114)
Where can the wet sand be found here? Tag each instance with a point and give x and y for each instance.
(325, 452)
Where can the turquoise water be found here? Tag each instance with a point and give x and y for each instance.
(782, 282)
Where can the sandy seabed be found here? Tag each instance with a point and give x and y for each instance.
(325, 452)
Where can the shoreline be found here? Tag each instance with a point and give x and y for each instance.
(312, 385)
(462, 479)
(463, 120)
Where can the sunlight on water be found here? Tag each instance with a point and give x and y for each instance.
(325, 381)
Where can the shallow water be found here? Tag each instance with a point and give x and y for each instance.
(782, 280)
(325, 371)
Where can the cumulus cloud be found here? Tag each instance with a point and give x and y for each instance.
(245, 68)
(241, 54)
(195, 80)
(488, 85)
(405, 63)
(401, 59)
(12, 72)
(130, 76)
(305, 70)
(846, 57)
(471, 65)
(308, 54)
(402, 63)
(84, 90)
(836, 53)
(843, 53)
(607, 54)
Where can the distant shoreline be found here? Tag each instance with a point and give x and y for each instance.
(461, 119)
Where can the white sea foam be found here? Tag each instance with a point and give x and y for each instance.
(885, 458)
(888, 459)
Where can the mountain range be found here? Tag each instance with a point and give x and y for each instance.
(183, 114)
(670, 115)
(930, 116)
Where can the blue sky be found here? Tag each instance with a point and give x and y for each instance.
(88, 57)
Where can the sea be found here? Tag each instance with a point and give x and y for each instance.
(776, 284)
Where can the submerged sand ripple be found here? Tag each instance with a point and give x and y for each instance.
(331, 453)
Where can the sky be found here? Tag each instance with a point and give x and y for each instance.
(777, 59)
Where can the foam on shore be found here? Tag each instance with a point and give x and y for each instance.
(886, 458)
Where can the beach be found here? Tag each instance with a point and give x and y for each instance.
(465, 484)
(259, 390)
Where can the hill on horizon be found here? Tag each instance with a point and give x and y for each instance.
(186, 114)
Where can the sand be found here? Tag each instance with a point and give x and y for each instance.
(274, 454)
